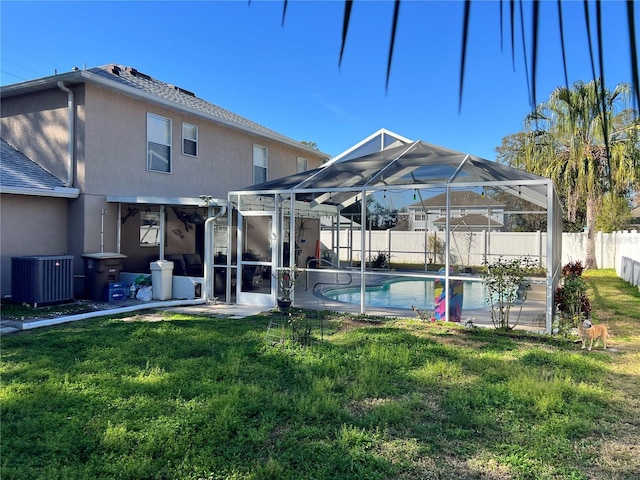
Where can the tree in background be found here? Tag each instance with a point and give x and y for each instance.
(614, 215)
(589, 152)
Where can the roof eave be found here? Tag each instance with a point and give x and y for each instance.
(59, 192)
(150, 200)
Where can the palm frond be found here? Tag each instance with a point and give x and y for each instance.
(465, 34)
(345, 27)
(516, 15)
(396, 11)
(524, 56)
(534, 47)
(587, 22)
(562, 47)
(634, 52)
(602, 93)
(512, 17)
(284, 11)
(501, 26)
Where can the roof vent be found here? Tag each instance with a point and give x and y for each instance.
(136, 73)
(182, 90)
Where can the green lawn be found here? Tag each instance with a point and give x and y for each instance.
(201, 398)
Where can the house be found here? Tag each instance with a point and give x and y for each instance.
(470, 211)
(110, 159)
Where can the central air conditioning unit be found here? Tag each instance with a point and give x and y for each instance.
(42, 279)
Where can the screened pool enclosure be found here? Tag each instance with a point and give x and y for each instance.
(391, 231)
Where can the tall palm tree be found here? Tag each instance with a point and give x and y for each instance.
(587, 146)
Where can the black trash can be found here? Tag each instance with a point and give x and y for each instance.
(99, 270)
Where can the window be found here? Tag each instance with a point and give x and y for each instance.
(303, 165)
(419, 217)
(149, 229)
(189, 140)
(443, 211)
(158, 143)
(260, 163)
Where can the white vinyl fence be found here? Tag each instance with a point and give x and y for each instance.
(617, 250)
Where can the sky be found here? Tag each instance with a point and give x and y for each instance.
(287, 77)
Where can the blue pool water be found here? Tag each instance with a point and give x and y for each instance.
(407, 293)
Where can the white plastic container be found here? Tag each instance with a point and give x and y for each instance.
(162, 279)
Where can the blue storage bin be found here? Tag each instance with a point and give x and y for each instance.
(116, 291)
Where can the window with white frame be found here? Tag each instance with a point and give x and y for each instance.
(149, 229)
(303, 165)
(158, 143)
(189, 139)
(260, 164)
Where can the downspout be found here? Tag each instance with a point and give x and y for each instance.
(71, 127)
(208, 260)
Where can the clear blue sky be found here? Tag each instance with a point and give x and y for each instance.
(239, 56)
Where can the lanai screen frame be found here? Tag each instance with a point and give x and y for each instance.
(328, 189)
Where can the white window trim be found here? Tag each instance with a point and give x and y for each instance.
(170, 145)
(266, 161)
(306, 164)
(149, 232)
(185, 124)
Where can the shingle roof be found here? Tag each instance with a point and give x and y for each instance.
(19, 171)
(130, 81)
(131, 77)
(473, 220)
(458, 198)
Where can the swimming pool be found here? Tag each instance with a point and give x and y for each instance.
(405, 293)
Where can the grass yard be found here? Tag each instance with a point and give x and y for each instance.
(200, 398)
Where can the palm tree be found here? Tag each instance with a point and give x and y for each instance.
(587, 146)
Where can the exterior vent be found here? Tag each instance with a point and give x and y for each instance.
(136, 73)
(182, 90)
(45, 279)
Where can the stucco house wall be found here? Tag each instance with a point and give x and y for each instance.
(110, 155)
(28, 226)
(37, 124)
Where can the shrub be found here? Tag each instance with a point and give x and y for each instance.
(571, 297)
(381, 260)
(506, 282)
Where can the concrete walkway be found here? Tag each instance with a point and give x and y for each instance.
(192, 307)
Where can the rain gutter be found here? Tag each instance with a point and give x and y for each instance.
(58, 192)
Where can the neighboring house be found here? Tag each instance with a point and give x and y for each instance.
(94, 156)
(470, 211)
